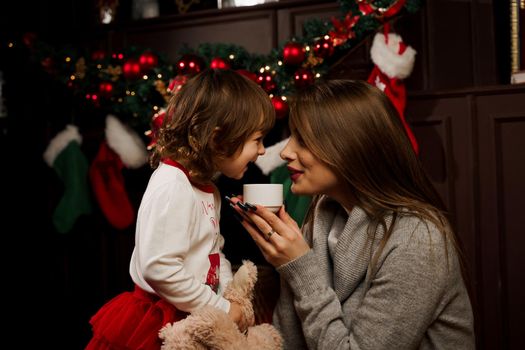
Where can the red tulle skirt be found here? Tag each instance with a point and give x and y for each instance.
(131, 321)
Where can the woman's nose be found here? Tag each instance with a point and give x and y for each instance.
(286, 153)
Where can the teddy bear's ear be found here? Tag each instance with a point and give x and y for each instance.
(245, 278)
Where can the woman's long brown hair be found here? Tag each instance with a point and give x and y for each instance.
(356, 131)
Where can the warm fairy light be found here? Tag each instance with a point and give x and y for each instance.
(317, 75)
(145, 77)
(231, 57)
(10, 45)
(270, 95)
(283, 98)
(72, 77)
(127, 92)
(267, 68)
(261, 70)
(68, 59)
(307, 48)
(279, 63)
(99, 66)
(156, 108)
(120, 100)
(147, 132)
(132, 93)
(159, 76)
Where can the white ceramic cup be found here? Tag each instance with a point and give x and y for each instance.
(268, 195)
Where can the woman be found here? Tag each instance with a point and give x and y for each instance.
(376, 264)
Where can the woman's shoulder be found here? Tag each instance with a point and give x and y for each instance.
(412, 229)
(422, 241)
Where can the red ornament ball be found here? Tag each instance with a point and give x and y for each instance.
(98, 55)
(105, 89)
(48, 64)
(324, 48)
(265, 80)
(29, 39)
(189, 64)
(219, 63)
(303, 77)
(131, 69)
(148, 60)
(293, 53)
(280, 106)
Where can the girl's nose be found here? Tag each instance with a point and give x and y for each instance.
(261, 150)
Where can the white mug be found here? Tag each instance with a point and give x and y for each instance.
(267, 195)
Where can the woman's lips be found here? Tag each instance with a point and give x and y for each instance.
(294, 173)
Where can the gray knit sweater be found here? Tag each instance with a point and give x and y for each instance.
(412, 301)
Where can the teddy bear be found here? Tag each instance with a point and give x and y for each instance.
(210, 328)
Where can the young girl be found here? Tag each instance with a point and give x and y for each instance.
(215, 123)
(378, 266)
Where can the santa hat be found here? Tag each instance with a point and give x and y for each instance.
(63, 154)
(394, 61)
(122, 147)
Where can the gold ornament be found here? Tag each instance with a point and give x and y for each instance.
(80, 68)
(184, 5)
(114, 72)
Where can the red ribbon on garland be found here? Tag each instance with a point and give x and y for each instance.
(366, 7)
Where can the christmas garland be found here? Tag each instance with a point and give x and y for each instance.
(136, 84)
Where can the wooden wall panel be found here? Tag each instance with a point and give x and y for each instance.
(502, 193)
(255, 31)
(291, 20)
(471, 144)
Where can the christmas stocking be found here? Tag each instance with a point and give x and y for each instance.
(64, 155)
(122, 147)
(393, 61)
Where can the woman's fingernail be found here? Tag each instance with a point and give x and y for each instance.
(242, 206)
(250, 206)
(236, 214)
(227, 198)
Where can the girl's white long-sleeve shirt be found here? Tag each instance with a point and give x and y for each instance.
(178, 244)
